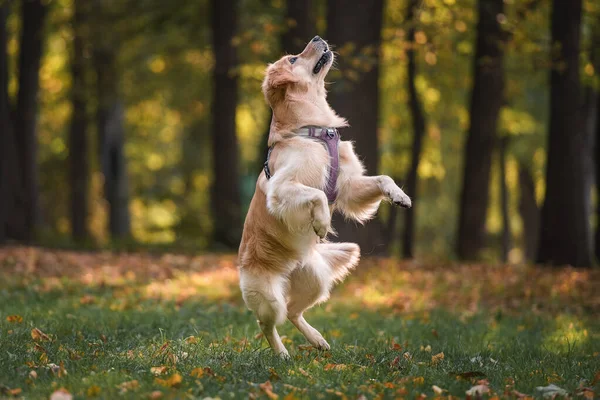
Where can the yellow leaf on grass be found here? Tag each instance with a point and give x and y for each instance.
(61, 394)
(15, 391)
(93, 391)
(419, 380)
(173, 381)
(197, 373)
(436, 359)
(267, 388)
(336, 367)
(38, 335)
(158, 370)
(129, 385)
(14, 318)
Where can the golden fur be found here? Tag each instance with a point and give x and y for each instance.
(284, 267)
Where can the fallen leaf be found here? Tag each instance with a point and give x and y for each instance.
(437, 390)
(336, 367)
(157, 394)
(173, 381)
(191, 340)
(61, 394)
(435, 333)
(36, 335)
(129, 385)
(33, 374)
(477, 390)
(303, 372)
(419, 380)
(267, 388)
(197, 372)
(14, 319)
(436, 359)
(273, 375)
(551, 391)
(159, 370)
(93, 391)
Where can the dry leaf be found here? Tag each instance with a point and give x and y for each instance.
(551, 391)
(14, 318)
(436, 359)
(159, 370)
(93, 391)
(437, 390)
(129, 385)
(61, 394)
(267, 388)
(33, 374)
(336, 367)
(191, 340)
(303, 372)
(38, 335)
(157, 394)
(468, 374)
(197, 373)
(419, 380)
(173, 381)
(477, 390)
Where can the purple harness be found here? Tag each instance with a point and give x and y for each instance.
(330, 137)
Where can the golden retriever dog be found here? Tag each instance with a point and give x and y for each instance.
(285, 265)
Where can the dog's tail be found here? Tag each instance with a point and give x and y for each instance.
(341, 257)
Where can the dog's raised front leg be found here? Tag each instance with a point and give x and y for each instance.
(360, 196)
(299, 205)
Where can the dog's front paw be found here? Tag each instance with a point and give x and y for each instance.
(321, 226)
(393, 192)
(399, 198)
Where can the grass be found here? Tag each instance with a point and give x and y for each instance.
(150, 326)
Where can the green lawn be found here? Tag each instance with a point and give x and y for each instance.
(142, 326)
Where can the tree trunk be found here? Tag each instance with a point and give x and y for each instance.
(418, 125)
(357, 24)
(486, 101)
(530, 213)
(33, 14)
(504, 203)
(565, 236)
(8, 167)
(225, 193)
(78, 141)
(595, 57)
(111, 141)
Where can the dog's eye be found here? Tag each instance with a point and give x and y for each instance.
(293, 60)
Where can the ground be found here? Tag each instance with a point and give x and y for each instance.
(173, 326)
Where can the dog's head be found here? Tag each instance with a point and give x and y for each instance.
(298, 73)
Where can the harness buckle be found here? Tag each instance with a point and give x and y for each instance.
(330, 133)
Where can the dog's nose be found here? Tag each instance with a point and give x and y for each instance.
(317, 38)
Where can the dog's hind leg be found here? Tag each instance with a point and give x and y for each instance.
(264, 295)
(311, 283)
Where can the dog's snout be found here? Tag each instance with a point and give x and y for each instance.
(316, 38)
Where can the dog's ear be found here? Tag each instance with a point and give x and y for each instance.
(278, 76)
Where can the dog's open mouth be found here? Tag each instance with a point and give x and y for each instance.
(322, 61)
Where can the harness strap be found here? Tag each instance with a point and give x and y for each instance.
(330, 138)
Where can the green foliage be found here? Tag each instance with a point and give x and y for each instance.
(165, 62)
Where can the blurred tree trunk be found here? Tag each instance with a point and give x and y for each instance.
(33, 15)
(225, 193)
(418, 125)
(301, 28)
(565, 235)
(9, 180)
(78, 141)
(530, 213)
(487, 97)
(357, 25)
(111, 132)
(504, 197)
(595, 57)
